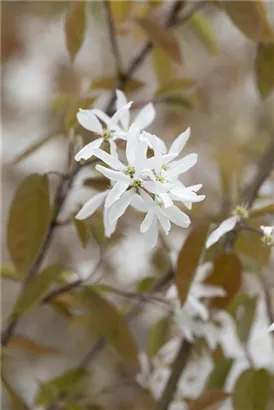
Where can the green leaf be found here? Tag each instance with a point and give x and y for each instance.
(250, 17)
(37, 288)
(189, 102)
(64, 384)
(109, 83)
(188, 260)
(208, 399)
(22, 342)
(33, 148)
(16, 401)
(75, 27)
(83, 231)
(219, 373)
(100, 184)
(8, 272)
(175, 85)
(227, 273)
(120, 10)
(264, 68)
(161, 37)
(145, 284)
(204, 31)
(252, 390)
(157, 335)
(243, 310)
(70, 119)
(108, 321)
(162, 65)
(28, 221)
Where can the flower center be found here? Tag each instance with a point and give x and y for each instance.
(137, 184)
(160, 178)
(130, 171)
(106, 134)
(165, 167)
(268, 240)
(241, 212)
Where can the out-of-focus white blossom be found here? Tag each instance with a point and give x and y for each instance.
(227, 225)
(192, 319)
(268, 235)
(150, 185)
(271, 328)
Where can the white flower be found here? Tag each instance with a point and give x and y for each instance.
(227, 225)
(271, 328)
(268, 237)
(89, 119)
(192, 319)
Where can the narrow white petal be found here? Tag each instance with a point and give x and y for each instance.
(115, 193)
(164, 222)
(140, 157)
(120, 206)
(121, 101)
(109, 224)
(271, 328)
(101, 115)
(226, 226)
(195, 188)
(267, 230)
(151, 235)
(110, 160)
(177, 216)
(113, 175)
(157, 187)
(198, 307)
(154, 162)
(147, 221)
(118, 115)
(183, 165)
(152, 140)
(88, 120)
(186, 194)
(113, 148)
(179, 143)
(148, 173)
(88, 150)
(132, 141)
(166, 200)
(145, 116)
(92, 205)
(139, 204)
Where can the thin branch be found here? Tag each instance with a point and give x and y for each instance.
(179, 365)
(113, 40)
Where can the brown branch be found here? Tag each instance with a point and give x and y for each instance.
(113, 40)
(179, 365)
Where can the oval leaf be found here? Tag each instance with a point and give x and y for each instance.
(120, 10)
(8, 272)
(75, 27)
(162, 37)
(227, 273)
(28, 221)
(157, 335)
(250, 17)
(175, 85)
(188, 260)
(219, 373)
(37, 288)
(243, 310)
(208, 399)
(100, 184)
(83, 231)
(162, 65)
(264, 67)
(108, 321)
(204, 31)
(252, 390)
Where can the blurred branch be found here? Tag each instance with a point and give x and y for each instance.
(113, 40)
(171, 20)
(177, 369)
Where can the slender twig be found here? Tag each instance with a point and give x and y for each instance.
(179, 365)
(113, 40)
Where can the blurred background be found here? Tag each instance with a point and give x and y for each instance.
(213, 88)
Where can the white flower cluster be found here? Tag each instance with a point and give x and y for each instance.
(149, 184)
(193, 318)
